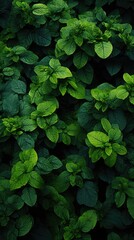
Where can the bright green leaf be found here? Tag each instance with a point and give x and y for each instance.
(97, 139)
(87, 221)
(40, 9)
(103, 49)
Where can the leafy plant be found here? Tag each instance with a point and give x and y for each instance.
(66, 120)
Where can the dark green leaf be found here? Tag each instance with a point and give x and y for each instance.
(130, 206)
(42, 37)
(35, 180)
(87, 195)
(25, 141)
(24, 224)
(18, 86)
(80, 59)
(29, 57)
(29, 196)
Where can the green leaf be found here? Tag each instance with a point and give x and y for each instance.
(86, 74)
(67, 45)
(28, 125)
(42, 37)
(114, 134)
(29, 155)
(80, 59)
(108, 150)
(55, 162)
(52, 133)
(29, 57)
(8, 71)
(62, 72)
(103, 49)
(120, 198)
(18, 86)
(61, 182)
(106, 124)
(119, 149)
(24, 224)
(130, 206)
(118, 116)
(87, 195)
(25, 141)
(40, 9)
(111, 160)
(78, 93)
(95, 155)
(113, 67)
(12, 108)
(122, 92)
(35, 180)
(47, 108)
(113, 236)
(29, 196)
(97, 138)
(87, 221)
(130, 189)
(61, 211)
(19, 177)
(128, 79)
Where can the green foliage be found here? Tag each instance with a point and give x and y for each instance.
(66, 119)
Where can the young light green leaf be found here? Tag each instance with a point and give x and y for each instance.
(87, 221)
(128, 79)
(18, 176)
(62, 72)
(103, 49)
(106, 124)
(47, 108)
(29, 155)
(122, 92)
(40, 9)
(97, 138)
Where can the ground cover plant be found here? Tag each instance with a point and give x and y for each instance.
(67, 120)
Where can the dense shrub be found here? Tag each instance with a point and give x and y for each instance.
(67, 119)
